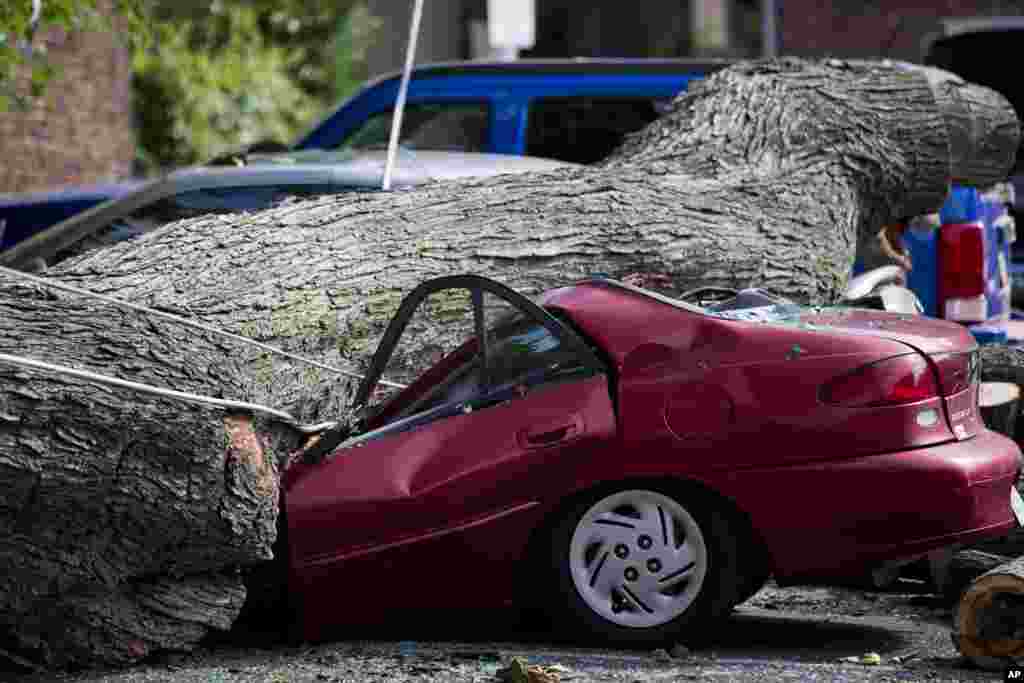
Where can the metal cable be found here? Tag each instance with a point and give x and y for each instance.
(167, 393)
(184, 321)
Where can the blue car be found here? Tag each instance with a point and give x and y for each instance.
(261, 182)
(23, 215)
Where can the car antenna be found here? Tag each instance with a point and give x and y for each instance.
(403, 88)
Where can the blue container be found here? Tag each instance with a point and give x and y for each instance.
(989, 334)
(962, 206)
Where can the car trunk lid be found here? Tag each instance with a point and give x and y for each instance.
(950, 347)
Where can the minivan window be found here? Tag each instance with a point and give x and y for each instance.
(445, 126)
(584, 130)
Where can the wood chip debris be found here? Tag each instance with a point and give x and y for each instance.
(519, 671)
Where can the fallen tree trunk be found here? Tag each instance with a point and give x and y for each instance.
(766, 174)
(123, 515)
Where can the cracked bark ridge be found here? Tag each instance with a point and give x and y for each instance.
(765, 174)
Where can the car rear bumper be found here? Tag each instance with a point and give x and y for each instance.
(858, 513)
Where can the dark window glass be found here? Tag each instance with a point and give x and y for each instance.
(520, 350)
(584, 129)
(187, 205)
(446, 126)
(521, 354)
(235, 199)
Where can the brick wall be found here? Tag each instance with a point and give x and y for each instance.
(873, 28)
(80, 131)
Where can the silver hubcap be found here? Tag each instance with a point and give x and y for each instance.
(638, 558)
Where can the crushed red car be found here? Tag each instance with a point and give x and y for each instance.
(635, 463)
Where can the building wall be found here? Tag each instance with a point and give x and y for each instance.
(873, 28)
(441, 38)
(612, 28)
(80, 131)
(565, 28)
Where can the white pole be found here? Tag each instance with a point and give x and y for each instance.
(396, 120)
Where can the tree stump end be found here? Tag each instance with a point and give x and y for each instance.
(986, 626)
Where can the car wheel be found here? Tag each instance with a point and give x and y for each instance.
(640, 566)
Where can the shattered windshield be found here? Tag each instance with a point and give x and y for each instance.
(754, 305)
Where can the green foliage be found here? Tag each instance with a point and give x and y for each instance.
(347, 50)
(224, 74)
(206, 87)
(209, 75)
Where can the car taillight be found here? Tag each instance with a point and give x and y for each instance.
(957, 371)
(891, 381)
(962, 272)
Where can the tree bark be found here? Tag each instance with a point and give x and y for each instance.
(123, 516)
(765, 174)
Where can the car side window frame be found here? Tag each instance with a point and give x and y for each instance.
(477, 286)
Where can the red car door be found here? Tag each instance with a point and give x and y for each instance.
(444, 494)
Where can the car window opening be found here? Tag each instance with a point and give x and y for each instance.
(521, 355)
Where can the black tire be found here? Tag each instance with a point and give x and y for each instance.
(752, 582)
(718, 592)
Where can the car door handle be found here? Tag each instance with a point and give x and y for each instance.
(551, 434)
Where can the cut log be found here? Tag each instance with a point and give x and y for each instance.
(766, 174)
(988, 626)
(121, 512)
(999, 404)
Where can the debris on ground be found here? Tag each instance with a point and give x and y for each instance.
(680, 651)
(519, 671)
(867, 659)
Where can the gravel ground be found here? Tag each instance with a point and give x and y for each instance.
(781, 634)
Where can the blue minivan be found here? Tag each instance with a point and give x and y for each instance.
(570, 109)
(579, 110)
